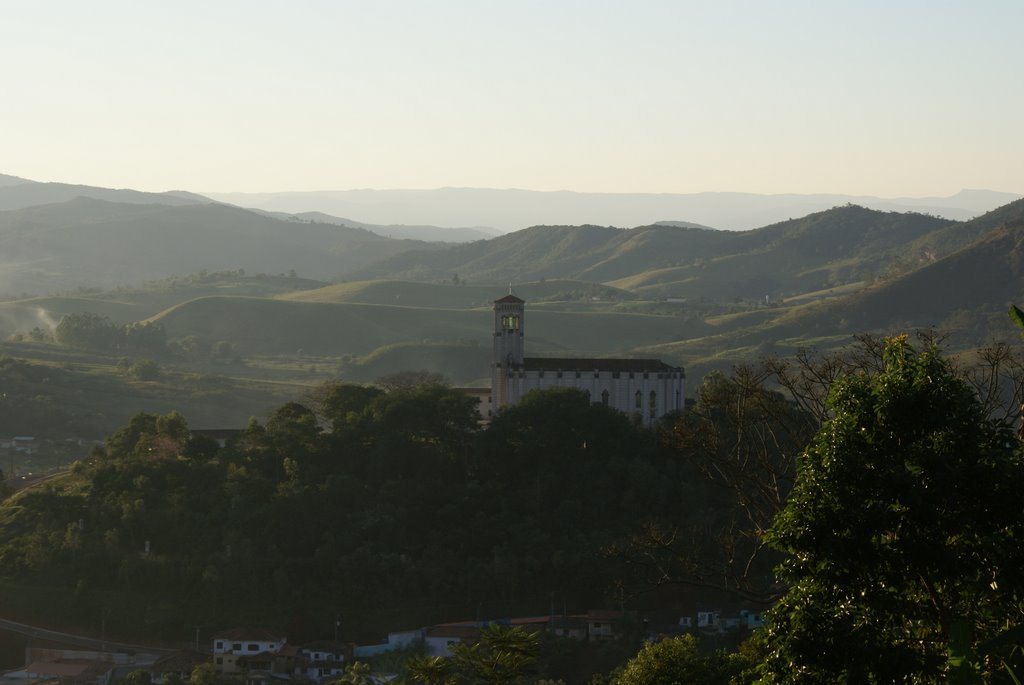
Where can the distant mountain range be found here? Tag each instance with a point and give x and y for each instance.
(20, 193)
(511, 210)
(397, 231)
(86, 242)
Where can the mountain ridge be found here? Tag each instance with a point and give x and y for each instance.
(514, 209)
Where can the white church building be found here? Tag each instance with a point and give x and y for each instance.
(645, 388)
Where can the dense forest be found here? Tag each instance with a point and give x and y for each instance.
(390, 508)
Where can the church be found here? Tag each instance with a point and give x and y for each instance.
(645, 388)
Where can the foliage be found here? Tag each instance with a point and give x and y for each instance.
(427, 513)
(205, 674)
(901, 530)
(677, 660)
(356, 673)
(501, 656)
(144, 370)
(89, 331)
(430, 670)
(741, 439)
(404, 380)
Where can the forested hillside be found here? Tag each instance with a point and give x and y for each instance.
(391, 509)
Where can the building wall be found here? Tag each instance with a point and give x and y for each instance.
(660, 392)
(226, 652)
(622, 388)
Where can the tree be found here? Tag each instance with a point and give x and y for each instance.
(144, 370)
(501, 656)
(430, 670)
(137, 677)
(357, 673)
(742, 439)
(89, 331)
(205, 674)
(903, 532)
(677, 660)
(340, 402)
(409, 379)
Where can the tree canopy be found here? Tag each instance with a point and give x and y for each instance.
(902, 532)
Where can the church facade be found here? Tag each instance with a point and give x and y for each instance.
(645, 388)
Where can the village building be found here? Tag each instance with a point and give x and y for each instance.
(644, 388)
(246, 649)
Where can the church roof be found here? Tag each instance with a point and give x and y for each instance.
(508, 299)
(597, 364)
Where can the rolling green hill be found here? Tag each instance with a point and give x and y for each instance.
(964, 296)
(266, 326)
(838, 246)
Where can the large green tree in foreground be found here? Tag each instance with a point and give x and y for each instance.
(904, 532)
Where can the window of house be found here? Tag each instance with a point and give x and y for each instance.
(220, 644)
(577, 374)
(615, 374)
(253, 647)
(654, 403)
(639, 400)
(604, 397)
(631, 375)
(237, 646)
(540, 374)
(558, 374)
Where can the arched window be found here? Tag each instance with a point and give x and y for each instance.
(653, 405)
(639, 400)
(604, 397)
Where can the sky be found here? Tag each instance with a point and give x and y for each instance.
(890, 98)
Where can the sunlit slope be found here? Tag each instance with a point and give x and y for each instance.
(963, 296)
(833, 247)
(592, 253)
(269, 326)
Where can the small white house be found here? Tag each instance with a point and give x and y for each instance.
(323, 660)
(231, 645)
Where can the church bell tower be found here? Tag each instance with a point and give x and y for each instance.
(507, 357)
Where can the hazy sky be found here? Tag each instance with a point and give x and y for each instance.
(893, 97)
